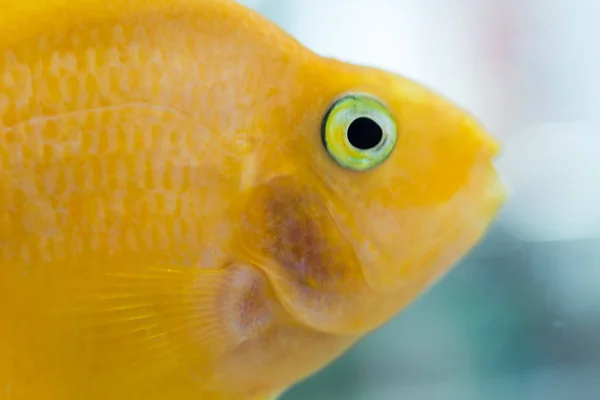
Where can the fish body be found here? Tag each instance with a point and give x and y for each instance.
(187, 208)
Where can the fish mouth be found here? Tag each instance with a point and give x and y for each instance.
(490, 189)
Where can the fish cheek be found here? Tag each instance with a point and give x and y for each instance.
(310, 263)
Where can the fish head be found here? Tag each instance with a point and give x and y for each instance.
(376, 186)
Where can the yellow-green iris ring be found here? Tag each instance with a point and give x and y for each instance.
(335, 131)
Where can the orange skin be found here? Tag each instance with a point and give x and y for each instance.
(171, 224)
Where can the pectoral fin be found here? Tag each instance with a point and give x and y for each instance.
(133, 332)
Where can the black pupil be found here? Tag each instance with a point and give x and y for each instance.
(364, 133)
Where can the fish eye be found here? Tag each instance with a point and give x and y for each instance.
(359, 132)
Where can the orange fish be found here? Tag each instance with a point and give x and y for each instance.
(195, 206)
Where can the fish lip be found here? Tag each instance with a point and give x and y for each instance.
(494, 188)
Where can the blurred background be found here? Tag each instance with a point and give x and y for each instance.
(519, 318)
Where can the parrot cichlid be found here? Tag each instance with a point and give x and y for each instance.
(194, 206)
